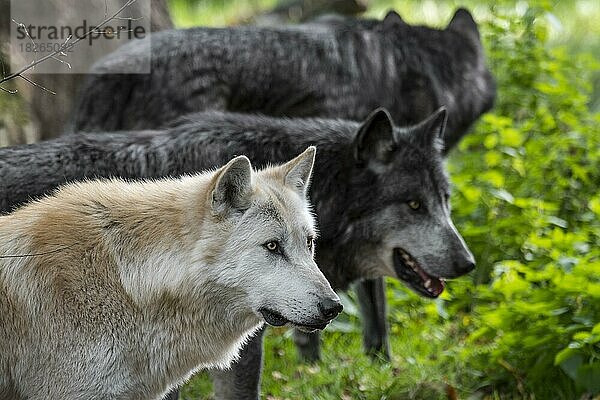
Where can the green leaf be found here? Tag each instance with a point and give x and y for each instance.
(595, 205)
(588, 377)
(570, 364)
(493, 177)
(511, 137)
(557, 221)
(582, 336)
(503, 195)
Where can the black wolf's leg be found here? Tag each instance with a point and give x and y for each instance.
(308, 344)
(242, 380)
(373, 309)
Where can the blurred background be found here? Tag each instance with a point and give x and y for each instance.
(526, 323)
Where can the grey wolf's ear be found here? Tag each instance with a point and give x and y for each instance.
(392, 18)
(233, 186)
(375, 138)
(430, 132)
(463, 22)
(297, 172)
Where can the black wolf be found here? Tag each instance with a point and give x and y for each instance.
(379, 191)
(332, 67)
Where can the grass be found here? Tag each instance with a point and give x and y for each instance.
(345, 372)
(426, 345)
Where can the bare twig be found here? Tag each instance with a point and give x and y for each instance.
(36, 84)
(515, 373)
(61, 50)
(38, 254)
(22, 26)
(8, 90)
(129, 18)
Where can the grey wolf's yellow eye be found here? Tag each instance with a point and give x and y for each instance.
(273, 246)
(414, 204)
(310, 242)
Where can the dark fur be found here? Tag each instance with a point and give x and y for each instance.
(339, 68)
(206, 140)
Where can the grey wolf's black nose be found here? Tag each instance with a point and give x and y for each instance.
(330, 308)
(464, 267)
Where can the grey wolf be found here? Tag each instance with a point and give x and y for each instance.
(381, 193)
(120, 290)
(331, 67)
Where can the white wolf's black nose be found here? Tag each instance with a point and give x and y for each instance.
(330, 308)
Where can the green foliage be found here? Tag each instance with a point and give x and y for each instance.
(527, 203)
(13, 112)
(187, 13)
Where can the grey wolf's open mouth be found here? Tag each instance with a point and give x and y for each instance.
(276, 319)
(411, 272)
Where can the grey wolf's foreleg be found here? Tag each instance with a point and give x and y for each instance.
(242, 380)
(308, 344)
(373, 309)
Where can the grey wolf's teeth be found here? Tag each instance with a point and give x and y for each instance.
(405, 256)
(428, 283)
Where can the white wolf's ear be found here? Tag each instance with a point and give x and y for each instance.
(429, 133)
(233, 186)
(463, 22)
(297, 172)
(375, 138)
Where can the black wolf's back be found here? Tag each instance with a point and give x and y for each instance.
(338, 69)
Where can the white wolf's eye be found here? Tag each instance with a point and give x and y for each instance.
(414, 204)
(310, 242)
(273, 246)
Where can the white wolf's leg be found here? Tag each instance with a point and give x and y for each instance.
(242, 380)
(373, 309)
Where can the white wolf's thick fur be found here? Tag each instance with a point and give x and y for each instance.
(131, 287)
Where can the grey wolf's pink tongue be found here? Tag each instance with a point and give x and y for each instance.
(437, 286)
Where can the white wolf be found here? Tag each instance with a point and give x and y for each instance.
(117, 290)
